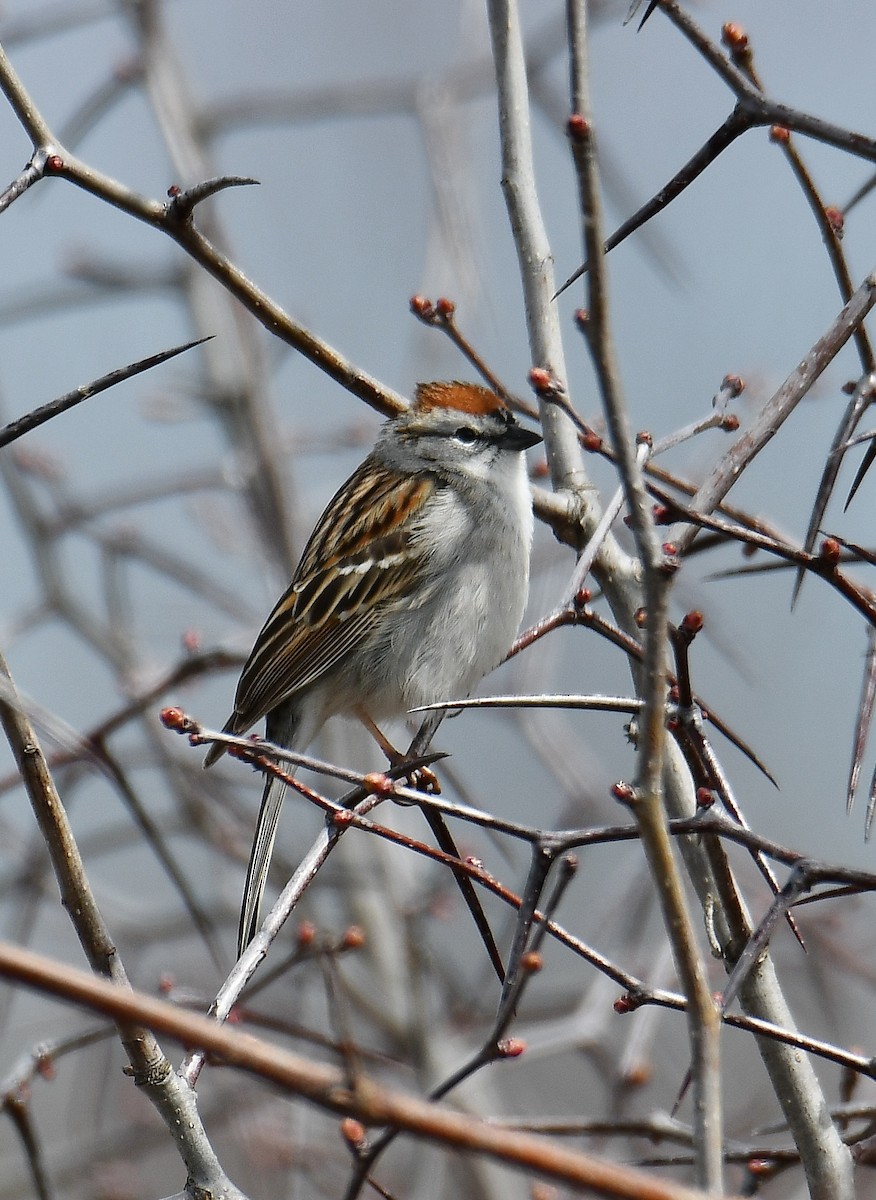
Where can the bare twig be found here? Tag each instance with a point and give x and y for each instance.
(16, 429)
(781, 404)
(51, 159)
(646, 798)
(172, 1098)
(326, 1087)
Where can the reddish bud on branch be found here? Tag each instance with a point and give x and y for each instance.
(780, 135)
(45, 1066)
(354, 1134)
(305, 935)
(177, 720)
(191, 641)
(623, 792)
(758, 1167)
(421, 307)
(638, 1074)
(542, 382)
(829, 551)
(511, 1047)
(578, 127)
(354, 938)
(734, 37)
(835, 219)
(376, 783)
(692, 622)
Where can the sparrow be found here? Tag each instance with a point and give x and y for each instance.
(410, 589)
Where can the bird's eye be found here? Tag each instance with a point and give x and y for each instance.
(465, 435)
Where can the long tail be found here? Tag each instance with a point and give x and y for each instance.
(260, 861)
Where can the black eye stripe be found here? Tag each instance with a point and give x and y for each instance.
(467, 435)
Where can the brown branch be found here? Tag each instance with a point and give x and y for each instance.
(327, 1087)
(172, 1098)
(52, 159)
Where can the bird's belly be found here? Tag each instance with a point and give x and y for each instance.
(440, 648)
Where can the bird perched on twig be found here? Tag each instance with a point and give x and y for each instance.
(411, 588)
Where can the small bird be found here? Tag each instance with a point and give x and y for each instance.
(411, 588)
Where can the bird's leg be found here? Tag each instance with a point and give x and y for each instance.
(422, 778)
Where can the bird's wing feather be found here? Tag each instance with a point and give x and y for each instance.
(360, 557)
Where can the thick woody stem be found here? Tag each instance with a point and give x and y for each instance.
(171, 1096)
(328, 1086)
(647, 796)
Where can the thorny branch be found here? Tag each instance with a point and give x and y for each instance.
(641, 632)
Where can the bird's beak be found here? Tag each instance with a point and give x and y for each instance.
(515, 437)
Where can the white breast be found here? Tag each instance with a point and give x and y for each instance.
(480, 541)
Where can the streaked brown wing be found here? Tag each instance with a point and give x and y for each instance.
(352, 566)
